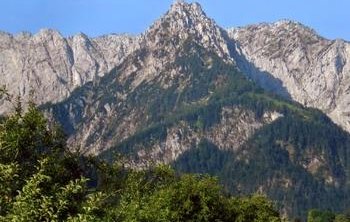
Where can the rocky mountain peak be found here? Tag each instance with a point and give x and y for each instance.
(182, 7)
(81, 35)
(186, 21)
(283, 31)
(184, 29)
(47, 35)
(80, 40)
(293, 60)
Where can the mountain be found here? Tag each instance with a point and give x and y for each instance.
(186, 93)
(294, 61)
(285, 57)
(53, 66)
(180, 99)
(158, 67)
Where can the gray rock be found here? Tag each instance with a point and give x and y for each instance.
(294, 61)
(285, 57)
(53, 66)
(151, 64)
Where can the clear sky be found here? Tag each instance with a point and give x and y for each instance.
(330, 18)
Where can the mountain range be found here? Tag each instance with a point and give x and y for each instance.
(263, 107)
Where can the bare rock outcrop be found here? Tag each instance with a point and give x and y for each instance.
(294, 61)
(53, 66)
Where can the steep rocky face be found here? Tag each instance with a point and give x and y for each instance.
(158, 66)
(114, 48)
(294, 61)
(53, 66)
(184, 21)
(285, 57)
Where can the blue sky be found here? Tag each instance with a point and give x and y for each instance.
(96, 17)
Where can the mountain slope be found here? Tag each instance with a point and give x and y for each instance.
(285, 57)
(294, 61)
(53, 66)
(159, 67)
(180, 99)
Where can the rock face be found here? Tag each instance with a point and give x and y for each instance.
(154, 66)
(189, 21)
(294, 61)
(284, 57)
(53, 66)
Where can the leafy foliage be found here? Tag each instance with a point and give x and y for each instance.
(160, 195)
(326, 216)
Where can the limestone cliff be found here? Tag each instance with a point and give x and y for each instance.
(291, 59)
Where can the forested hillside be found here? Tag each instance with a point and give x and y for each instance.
(41, 180)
